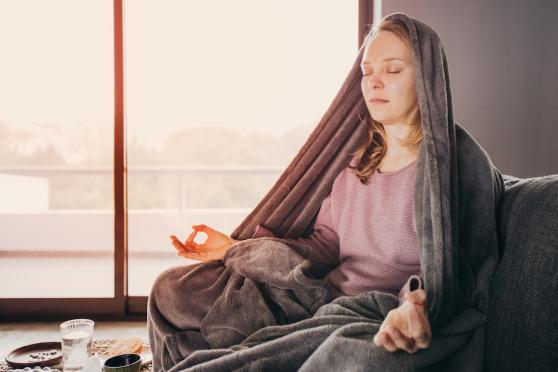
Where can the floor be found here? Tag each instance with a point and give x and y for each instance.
(14, 335)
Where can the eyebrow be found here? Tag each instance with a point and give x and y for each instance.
(384, 60)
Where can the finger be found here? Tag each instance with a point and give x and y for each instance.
(204, 229)
(423, 313)
(400, 340)
(200, 256)
(201, 227)
(189, 243)
(387, 342)
(417, 328)
(379, 338)
(418, 296)
(190, 255)
(177, 245)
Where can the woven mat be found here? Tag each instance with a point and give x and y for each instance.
(97, 346)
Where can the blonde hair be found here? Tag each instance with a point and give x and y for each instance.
(373, 150)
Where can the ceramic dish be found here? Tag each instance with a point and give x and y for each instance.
(41, 354)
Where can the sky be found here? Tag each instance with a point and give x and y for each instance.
(255, 65)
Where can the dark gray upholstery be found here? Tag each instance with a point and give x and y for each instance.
(522, 326)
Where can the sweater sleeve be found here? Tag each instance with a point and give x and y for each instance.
(413, 282)
(323, 241)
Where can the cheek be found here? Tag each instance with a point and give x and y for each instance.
(407, 92)
(411, 89)
(412, 94)
(364, 86)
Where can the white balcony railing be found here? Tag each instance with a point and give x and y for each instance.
(181, 173)
(39, 243)
(90, 230)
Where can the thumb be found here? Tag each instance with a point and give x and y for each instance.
(417, 296)
(203, 228)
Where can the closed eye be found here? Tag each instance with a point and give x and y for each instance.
(390, 72)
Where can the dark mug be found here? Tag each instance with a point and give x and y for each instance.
(123, 363)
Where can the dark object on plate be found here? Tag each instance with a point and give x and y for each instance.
(123, 363)
(42, 354)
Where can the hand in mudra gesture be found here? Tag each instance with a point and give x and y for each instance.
(406, 327)
(214, 248)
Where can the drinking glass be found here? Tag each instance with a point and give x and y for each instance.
(77, 335)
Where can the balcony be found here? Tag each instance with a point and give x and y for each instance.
(71, 249)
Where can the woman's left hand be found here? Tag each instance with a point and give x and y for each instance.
(406, 327)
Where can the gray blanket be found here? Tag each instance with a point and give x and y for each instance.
(274, 312)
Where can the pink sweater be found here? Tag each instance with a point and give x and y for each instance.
(367, 234)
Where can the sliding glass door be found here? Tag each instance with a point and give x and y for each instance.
(56, 153)
(124, 122)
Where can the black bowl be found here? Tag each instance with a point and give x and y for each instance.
(123, 362)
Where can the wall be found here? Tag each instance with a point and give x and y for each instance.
(503, 65)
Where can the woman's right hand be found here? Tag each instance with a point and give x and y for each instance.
(406, 327)
(214, 248)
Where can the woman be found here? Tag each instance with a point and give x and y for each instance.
(394, 222)
(378, 182)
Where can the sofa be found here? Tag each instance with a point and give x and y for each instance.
(522, 320)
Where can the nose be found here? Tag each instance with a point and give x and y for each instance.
(374, 82)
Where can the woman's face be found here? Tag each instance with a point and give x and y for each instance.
(388, 74)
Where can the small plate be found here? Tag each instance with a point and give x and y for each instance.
(42, 354)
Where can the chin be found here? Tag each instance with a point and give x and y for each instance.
(380, 114)
(380, 118)
(384, 118)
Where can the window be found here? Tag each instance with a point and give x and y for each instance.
(218, 103)
(218, 98)
(56, 149)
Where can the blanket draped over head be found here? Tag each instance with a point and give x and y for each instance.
(457, 194)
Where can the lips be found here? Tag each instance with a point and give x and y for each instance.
(378, 100)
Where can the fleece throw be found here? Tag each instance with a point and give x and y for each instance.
(265, 306)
